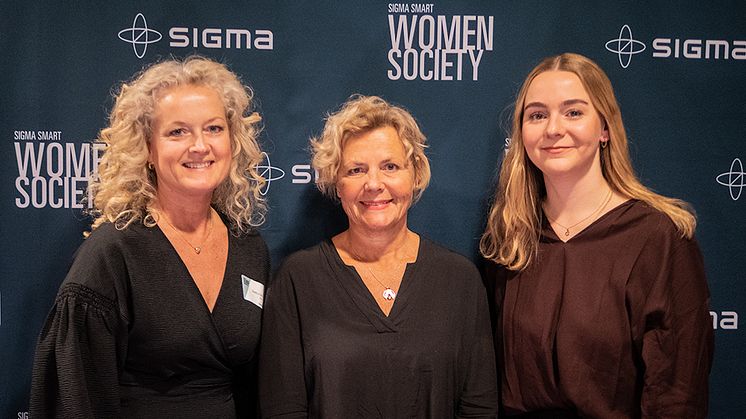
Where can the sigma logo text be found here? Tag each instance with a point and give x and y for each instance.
(139, 35)
(727, 320)
(625, 46)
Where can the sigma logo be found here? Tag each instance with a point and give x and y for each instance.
(699, 48)
(727, 320)
(217, 38)
(139, 35)
(303, 173)
(625, 46)
(734, 179)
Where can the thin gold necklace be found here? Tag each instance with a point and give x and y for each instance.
(597, 210)
(197, 249)
(388, 293)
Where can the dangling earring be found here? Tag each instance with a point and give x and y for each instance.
(604, 143)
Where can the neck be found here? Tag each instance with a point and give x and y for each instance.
(568, 197)
(377, 246)
(185, 217)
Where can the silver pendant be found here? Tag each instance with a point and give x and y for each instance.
(389, 294)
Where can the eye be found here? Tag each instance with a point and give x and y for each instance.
(215, 129)
(536, 116)
(390, 167)
(574, 113)
(178, 132)
(355, 171)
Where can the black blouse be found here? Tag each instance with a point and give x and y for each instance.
(131, 336)
(328, 351)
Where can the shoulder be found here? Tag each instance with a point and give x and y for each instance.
(439, 259)
(440, 254)
(251, 241)
(107, 238)
(100, 265)
(653, 233)
(655, 225)
(310, 258)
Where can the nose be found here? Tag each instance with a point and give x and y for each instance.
(373, 181)
(199, 145)
(554, 128)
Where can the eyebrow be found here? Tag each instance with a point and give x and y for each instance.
(209, 121)
(563, 104)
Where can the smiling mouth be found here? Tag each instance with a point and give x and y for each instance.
(555, 149)
(197, 165)
(376, 204)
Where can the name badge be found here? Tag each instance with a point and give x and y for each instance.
(253, 291)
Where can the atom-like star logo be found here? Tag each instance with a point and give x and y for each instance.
(269, 173)
(625, 46)
(139, 35)
(734, 179)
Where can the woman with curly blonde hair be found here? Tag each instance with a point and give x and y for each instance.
(377, 321)
(160, 312)
(600, 285)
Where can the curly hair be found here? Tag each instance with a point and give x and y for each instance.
(361, 114)
(125, 188)
(513, 228)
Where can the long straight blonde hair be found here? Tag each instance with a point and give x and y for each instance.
(511, 237)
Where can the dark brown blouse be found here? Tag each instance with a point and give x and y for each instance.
(612, 324)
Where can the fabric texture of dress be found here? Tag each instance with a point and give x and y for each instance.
(613, 323)
(131, 336)
(328, 351)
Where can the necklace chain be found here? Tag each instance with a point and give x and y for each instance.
(197, 249)
(388, 292)
(596, 211)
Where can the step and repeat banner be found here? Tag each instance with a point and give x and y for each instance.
(679, 71)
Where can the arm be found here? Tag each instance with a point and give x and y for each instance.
(282, 387)
(678, 341)
(75, 371)
(479, 392)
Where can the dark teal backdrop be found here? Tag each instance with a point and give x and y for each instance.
(678, 70)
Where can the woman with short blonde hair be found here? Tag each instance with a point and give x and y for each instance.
(376, 321)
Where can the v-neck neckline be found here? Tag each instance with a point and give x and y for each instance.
(192, 284)
(349, 279)
(549, 232)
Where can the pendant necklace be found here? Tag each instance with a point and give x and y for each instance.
(197, 249)
(388, 293)
(601, 207)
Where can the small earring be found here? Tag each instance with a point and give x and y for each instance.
(604, 144)
(150, 165)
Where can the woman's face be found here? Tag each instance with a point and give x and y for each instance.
(190, 145)
(562, 130)
(375, 181)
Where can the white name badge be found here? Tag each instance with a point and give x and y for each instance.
(253, 291)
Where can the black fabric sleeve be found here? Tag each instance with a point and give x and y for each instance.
(282, 388)
(479, 393)
(75, 372)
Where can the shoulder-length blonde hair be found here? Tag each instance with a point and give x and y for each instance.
(358, 115)
(513, 228)
(125, 188)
